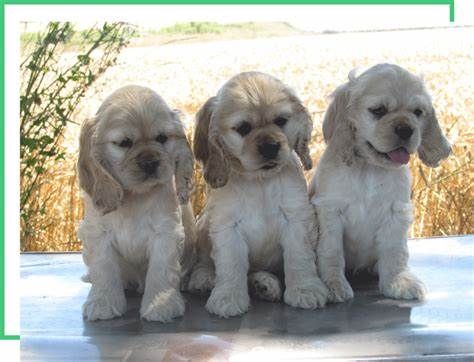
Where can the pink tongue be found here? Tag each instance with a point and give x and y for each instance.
(400, 155)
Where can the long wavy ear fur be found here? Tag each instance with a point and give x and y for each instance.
(434, 146)
(336, 111)
(105, 192)
(184, 167)
(303, 137)
(207, 148)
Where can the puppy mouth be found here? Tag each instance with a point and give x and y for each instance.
(399, 155)
(269, 166)
(149, 178)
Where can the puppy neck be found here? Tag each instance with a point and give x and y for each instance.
(164, 192)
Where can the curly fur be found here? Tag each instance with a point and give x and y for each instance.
(135, 233)
(361, 195)
(258, 218)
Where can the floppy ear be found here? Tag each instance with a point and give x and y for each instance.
(336, 111)
(201, 131)
(207, 147)
(303, 137)
(434, 146)
(184, 167)
(105, 192)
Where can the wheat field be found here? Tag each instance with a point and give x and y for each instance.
(185, 74)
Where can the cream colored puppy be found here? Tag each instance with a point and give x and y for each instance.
(361, 188)
(258, 217)
(136, 167)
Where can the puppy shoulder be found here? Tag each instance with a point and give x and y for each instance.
(222, 207)
(294, 169)
(334, 184)
(331, 174)
(94, 228)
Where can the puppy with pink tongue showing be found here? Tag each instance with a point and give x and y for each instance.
(361, 187)
(400, 155)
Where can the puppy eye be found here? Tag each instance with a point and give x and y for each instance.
(161, 138)
(418, 112)
(244, 128)
(280, 121)
(378, 112)
(126, 143)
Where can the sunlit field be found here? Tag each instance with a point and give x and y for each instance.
(187, 71)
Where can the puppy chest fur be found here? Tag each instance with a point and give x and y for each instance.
(373, 125)
(135, 167)
(365, 199)
(258, 216)
(136, 229)
(259, 211)
(133, 229)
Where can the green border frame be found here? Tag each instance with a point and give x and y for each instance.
(3, 336)
(2, 182)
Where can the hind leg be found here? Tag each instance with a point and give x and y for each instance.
(202, 278)
(265, 286)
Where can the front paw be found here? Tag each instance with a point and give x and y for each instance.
(307, 296)
(101, 307)
(228, 302)
(162, 306)
(339, 289)
(403, 286)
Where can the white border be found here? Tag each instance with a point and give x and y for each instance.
(319, 17)
(308, 17)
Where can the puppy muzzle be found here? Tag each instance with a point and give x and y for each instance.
(269, 149)
(148, 164)
(403, 131)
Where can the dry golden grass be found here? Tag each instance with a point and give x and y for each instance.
(187, 74)
(55, 230)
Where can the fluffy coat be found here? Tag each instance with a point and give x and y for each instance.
(258, 221)
(361, 187)
(135, 167)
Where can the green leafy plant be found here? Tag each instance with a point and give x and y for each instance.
(53, 83)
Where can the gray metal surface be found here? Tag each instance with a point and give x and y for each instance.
(369, 327)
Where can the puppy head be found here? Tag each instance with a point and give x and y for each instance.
(251, 127)
(134, 143)
(384, 116)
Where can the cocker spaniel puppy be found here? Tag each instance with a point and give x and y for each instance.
(361, 188)
(258, 218)
(135, 167)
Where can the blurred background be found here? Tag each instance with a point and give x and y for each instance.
(67, 70)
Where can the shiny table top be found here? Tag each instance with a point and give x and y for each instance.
(369, 327)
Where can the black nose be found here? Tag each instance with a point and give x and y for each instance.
(403, 131)
(149, 165)
(269, 150)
